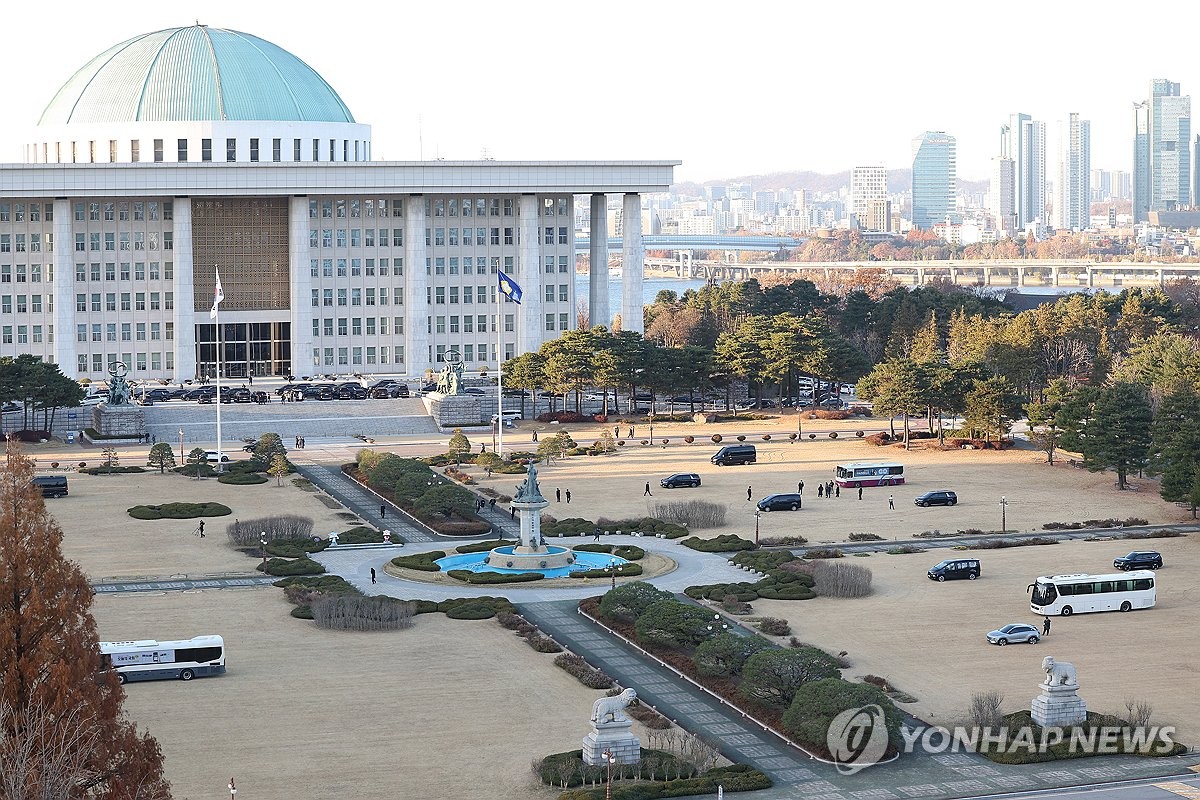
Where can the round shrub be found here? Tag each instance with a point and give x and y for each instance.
(180, 511)
(645, 441)
(793, 436)
(741, 437)
(242, 478)
(812, 436)
(620, 442)
(774, 676)
(833, 434)
(627, 602)
(723, 655)
(472, 610)
(766, 437)
(786, 591)
(283, 567)
(814, 705)
(716, 437)
(859, 434)
(688, 439)
(302, 612)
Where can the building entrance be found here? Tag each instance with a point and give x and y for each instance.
(248, 349)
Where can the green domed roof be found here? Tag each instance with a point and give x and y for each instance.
(195, 74)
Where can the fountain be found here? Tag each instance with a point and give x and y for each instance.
(531, 554)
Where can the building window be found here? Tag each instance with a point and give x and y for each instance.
(276, 149)
(231, 149)
(549, 322)
(181, 154)
(206, 149)
(296, 150)
(135, 151)
(158, 150)
(254, 149)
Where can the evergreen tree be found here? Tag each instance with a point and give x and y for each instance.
(459, 446)
(1118, 435)
(895, 387)
(1043, 415)
(161, 456)
(52, 681)
(268, 446)
(279, 467)
(991, 406)
(1175, 448)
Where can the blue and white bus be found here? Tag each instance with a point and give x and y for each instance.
(149, 660)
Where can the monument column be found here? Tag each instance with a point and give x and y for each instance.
(633, 264)
(598, 311)
(417, 358)
(532, 326)
(185, 292)
(299, 269)
(64, 292)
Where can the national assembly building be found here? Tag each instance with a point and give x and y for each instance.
(188, 152)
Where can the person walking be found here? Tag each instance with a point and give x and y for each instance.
(373, 576)
(200, 529)
(596, 533)
(860, 490)
(568, 493)
(512, 512)
(647, 492)
(616, 431)
(800, 487)
(749, 493)
(820, 490)
(891, 503)
(535, 436)
(251, 379)
(492, 503)
(1046, 626)
(829, 489)
(837, 491)
(382, 511)
(558, 495)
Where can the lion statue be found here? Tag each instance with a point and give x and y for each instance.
(609, 709)
(1061, 673)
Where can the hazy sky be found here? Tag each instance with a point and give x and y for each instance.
(728, 88)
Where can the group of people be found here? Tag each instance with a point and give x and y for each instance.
(299, 442)
(559, 493)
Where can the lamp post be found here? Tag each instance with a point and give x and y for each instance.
(609, 758)
(757, 517)
(717, 626)
(182, 458)
(651, 422)
(612, 571)
(1003, 514)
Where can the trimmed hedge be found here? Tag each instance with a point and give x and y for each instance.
(326, 584)
(779, 583)
(113, 470)
(467, 576)
(287, 566)
(474, 608)
(420, 561)
(242, 478)
(626, 571)
(362, 534)
(725, 543)
(734, 778)
(179, 511)
(577, 526)
(629, 552)
(295, 548)
(481, 547)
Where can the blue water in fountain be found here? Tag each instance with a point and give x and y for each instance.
(583, 561)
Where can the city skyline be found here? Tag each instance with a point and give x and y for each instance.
(640, 55)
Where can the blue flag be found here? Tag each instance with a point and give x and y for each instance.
(509, 288)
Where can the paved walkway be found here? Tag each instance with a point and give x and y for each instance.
(335, 483)
(180, 584)
(931, 543)
(916, 775)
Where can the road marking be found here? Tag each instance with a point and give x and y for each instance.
(1181, 789)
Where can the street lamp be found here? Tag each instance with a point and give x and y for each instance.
(609, 758)
(652, 422)
(757, 517)
(612, 571)
(182, 459)
(717, 626)
(1003, 514)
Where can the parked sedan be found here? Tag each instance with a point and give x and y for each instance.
(351, 392)
(941, 497)
(1142, 559)
(680, 479)
(780, 502)
(1016, 633)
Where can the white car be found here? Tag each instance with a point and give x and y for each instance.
(93, 400)
(595, 397)
(212, 456)
(508, 416)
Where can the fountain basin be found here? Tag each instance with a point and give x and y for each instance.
(550, 560)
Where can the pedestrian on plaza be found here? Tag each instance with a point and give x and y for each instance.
(837, 491)
(373, 576)
(1046, 627)
(829, 489)
(251, 379)
(647, 492)
(820, 490)
(200, 528)
(616, 430)
(596, 533)
(297, 442)
(535, 436)
(860, 490)
(891, 503)
(382, 511)
(512, 512)
(800, 487)
(482, 447)
(492, 503)
(568, 497)
(632, 430)
(749, 493)
(303, 442)
(558, 495)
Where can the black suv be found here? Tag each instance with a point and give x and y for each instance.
(680, 479)
(942, 497)
(1143, 559)
(780, 502)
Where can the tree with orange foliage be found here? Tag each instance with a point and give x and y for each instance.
(62, 731)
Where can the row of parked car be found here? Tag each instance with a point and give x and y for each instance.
(350, 390)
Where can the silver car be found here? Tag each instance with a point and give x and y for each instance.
(1015, 633)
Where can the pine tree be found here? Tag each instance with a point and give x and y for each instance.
(1175, 448)
(459, 446)
(161, 456)
(51, 683)
(1118, 435)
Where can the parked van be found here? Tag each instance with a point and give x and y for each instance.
(51, 485)
(955, 568)
(735, 454)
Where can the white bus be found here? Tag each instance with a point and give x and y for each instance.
(1077, 594)
(870, 473)
(148, 659)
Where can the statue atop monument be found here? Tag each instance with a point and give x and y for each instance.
(118, 387)
(528, 492)
(450, 380)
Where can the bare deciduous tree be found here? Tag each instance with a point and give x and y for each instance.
(985, 709)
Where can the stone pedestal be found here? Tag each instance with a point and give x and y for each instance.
(121, 422)
(615, 737)
(454, 411)
(1059, 706)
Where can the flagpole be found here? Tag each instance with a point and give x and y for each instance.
(218, 319)
(499, 376)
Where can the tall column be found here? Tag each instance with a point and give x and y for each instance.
(64, 290)
(633, 263)
(532, 328)
(598, 311)
(300, 287)
(416, 286)
(184, 315)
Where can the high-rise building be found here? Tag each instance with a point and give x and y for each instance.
(1162, 158)
(1001, 196)
(1024, 142)
(1072, 208)
(879, 215)
(934, 178)
(866, 184)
